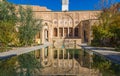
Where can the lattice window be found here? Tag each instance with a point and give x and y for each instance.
(55, 32)
(76, 32)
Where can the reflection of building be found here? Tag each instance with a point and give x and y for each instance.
(58, 61)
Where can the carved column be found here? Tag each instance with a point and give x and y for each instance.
(58, 57)
(63, 33)
(58, 32)
(42, 54)
(73, 31)
(68, 32)
(42, 35)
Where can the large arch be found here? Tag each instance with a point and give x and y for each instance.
(44, 34)
(46, 31)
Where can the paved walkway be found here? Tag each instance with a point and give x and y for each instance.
(22, 50)
(109, 53)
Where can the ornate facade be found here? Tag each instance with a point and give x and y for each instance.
(63, 27)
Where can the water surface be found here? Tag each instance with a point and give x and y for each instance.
(58, 61)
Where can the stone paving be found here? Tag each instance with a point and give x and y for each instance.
(107, 52)
(22, 50)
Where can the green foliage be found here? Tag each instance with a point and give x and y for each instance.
(28, 26)
(7, 23)
(6, 32)
(7, 11)
(27, 30)
(107, 32)
(100, 34)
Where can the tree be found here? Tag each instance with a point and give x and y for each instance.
(29, 26)
(108, 28)
(7, 23)
(114, 28)
(104, 4)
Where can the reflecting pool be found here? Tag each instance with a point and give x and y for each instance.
(58, 61)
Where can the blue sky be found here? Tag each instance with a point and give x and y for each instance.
(55, 5)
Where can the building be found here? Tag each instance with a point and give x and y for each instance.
(64, 27)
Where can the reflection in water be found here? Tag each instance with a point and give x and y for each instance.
(61, 61)
(58, 61)
(23, 65)
(105, 67)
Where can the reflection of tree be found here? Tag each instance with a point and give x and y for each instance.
(75, 52)
(101, 63)
(28, 62)
(86, 59)
(7, 67)
(55, 54)
(23, 65)
(105, 67)
(61, 54)
(70, 51)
